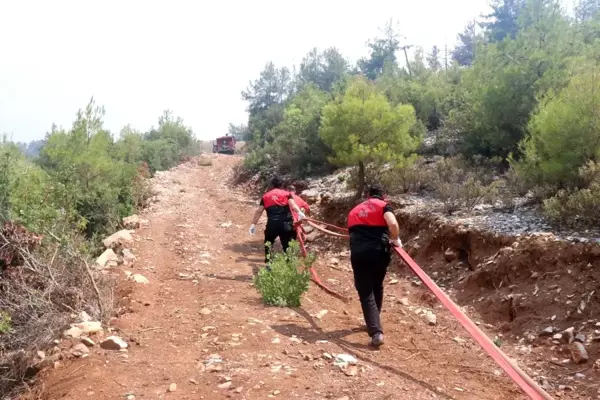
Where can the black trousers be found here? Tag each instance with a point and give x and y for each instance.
(284, 231)
(370, 268)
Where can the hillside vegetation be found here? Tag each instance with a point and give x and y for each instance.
(514, 106)
(58, 199)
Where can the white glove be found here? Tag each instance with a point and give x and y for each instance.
(252, 229)
(301, 216)
(397, 243)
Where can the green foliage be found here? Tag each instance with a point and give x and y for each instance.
(564, 132)
(503, 22)
(382, 53)
(287, 279)
(579, 207)
(53, 210)
(5, 323)
(7, 155)
(520, 86)
(169, 144)
(93, 187)
(322, 69)
(297, 148)
(464, 52)
(502, 87)
(83, 181)
(363, 127)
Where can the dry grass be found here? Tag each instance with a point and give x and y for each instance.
(40, 294)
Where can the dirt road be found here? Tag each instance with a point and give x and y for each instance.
(199, 305)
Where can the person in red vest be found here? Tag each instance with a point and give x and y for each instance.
(304, 207)
(279, 205)
(373, 229)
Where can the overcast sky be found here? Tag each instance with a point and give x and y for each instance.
(138, 58)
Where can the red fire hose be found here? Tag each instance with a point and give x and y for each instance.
(531, 388)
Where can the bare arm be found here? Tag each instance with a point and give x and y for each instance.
(257, 214)
(294, 206)
(392, 223)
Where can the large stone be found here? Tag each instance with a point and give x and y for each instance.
(128, 257)
(107, 259)
(131, 222)
(113, 343)
(549, 331)
(430, 317)
(579, 353)
(118, 239)
(450, 255)
(84, 317)
(139, 278)
(79, 350)
(568, 336)
(86, 327)
(311, 196)
(90, 326)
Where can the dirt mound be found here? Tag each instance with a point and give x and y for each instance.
(515, 286)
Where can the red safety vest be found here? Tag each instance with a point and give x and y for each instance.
(368, 213)
(276, 197)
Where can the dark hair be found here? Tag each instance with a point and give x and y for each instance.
(375, 189)
(292, 188)
(277, 182)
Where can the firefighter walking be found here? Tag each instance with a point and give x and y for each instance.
(279, 205)
(373, 229)
(304, 207)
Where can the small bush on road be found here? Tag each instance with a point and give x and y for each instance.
(287, 280)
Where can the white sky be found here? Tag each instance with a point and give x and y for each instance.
(138, 58)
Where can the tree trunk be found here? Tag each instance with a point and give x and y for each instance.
(361, 180)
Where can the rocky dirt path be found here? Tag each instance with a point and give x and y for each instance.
(198, 329)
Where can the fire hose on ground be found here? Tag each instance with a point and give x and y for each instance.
(528, 385)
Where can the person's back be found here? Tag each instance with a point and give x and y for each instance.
(275, 202)
(373, 228)
(279, 205)
(367, 226)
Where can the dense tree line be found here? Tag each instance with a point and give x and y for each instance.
(519, 89)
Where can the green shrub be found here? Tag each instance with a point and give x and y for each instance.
(563, 133)
(287, 280)
(577, 207)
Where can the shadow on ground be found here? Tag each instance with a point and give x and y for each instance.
(315, 333)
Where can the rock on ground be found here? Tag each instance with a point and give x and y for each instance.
(579, 353)
(310, 196)
(128, 257)
(113, 343)
(107, 259)
(118, 239)
(131, 222)
(80, 350)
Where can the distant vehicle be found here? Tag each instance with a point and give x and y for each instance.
(224, 144)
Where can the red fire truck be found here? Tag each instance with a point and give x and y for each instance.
(224, 144)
